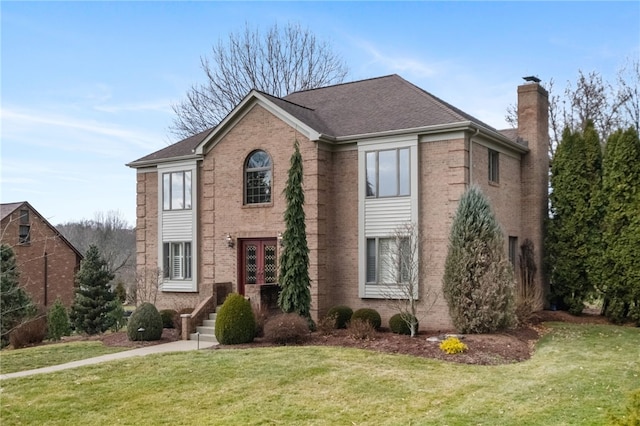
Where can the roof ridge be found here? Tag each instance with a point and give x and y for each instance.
(286, 100)
(344, 83)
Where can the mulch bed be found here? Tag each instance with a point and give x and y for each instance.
(483, 349)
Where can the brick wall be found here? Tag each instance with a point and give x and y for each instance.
(47, 264)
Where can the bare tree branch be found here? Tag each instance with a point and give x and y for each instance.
(278, 62)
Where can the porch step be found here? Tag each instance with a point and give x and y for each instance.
(206, 331)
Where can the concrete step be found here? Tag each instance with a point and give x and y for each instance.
(209, 323)
(203, 337)
(206, 330)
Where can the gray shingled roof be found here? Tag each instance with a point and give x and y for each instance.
(375, 105)
(8, 208)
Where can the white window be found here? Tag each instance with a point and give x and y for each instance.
(177, 261)
(176, 190)
(388, 260)
(388, 173)
(257, 178)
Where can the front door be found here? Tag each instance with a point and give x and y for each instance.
(258, 262)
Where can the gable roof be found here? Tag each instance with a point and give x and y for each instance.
(365, 107)
(6, 209)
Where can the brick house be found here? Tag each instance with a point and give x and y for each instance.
(377, 154)
(47, 261)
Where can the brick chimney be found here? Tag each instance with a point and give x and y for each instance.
(533, 129)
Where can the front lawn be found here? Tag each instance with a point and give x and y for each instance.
(580, 374)
(53, 354)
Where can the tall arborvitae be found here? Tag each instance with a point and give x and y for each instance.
(295, 294)
(94, 300)
(621, 256)
(573, 239)
(15, 304)
(478, 281)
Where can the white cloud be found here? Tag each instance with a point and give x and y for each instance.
(396, 63)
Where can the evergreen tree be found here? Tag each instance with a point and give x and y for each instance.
(295, 294)
(58, 321)
(574, 241)
(93, 300)
(478, 281)
(621, 255)
(15, 304)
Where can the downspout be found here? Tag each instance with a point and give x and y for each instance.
(471, 155)
(46, 276)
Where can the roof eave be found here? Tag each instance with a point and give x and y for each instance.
(438, 128)
(155, 162)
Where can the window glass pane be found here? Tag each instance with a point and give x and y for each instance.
(166, 191)
(176, 261)
(387, 173)
(406, 260)
(23, 234)
(259, 159)
(387, 261)
(177, 190)
(166, 260)
(371, 174)
(371, 260)
(24, 217)
(251, 256)
(187, 260)
(187, 190)
(404, 172)
(270, 264)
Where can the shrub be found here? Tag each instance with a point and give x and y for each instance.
(370, 315)
(286, 328)
(452, 345)
(361, 329)
(168, 318)
(118, 316)
(343, 315)
(399, 324)
(121, 292)
(145, 323)
(478, 282)
(235, 323)
(327, 324)
(58, 324)
(29, 332)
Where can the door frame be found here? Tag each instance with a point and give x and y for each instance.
(242, 282)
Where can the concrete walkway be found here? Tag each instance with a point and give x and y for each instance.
(177, 346)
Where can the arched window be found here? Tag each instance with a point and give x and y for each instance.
(257, 178)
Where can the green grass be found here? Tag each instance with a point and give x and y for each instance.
(44, 356)
(579, 375)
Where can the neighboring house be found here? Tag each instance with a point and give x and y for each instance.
(47, 261)
(377, 153)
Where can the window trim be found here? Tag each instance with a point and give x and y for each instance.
(167, 190)
(186, 260)
(24, 238)
(399, 171)
(493, 166)
(245, 172)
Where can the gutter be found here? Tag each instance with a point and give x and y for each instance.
(147, 163)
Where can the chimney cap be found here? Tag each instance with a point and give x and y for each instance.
(532, 79)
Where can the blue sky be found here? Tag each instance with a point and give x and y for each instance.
(88, 86)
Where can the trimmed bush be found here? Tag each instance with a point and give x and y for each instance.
(145, 323)
(398, 325)
(235, 323)
(286, 329)
(29, 332)
(168, 318)
(58, 324)
(327, 325)
(342, 313)
(370, 315)
(361, 329)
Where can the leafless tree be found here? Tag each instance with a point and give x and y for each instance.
(146, 286)
(110, 232)
(591, 98)
(278, 62)
(401, 269)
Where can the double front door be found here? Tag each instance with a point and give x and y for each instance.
(258, 262)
